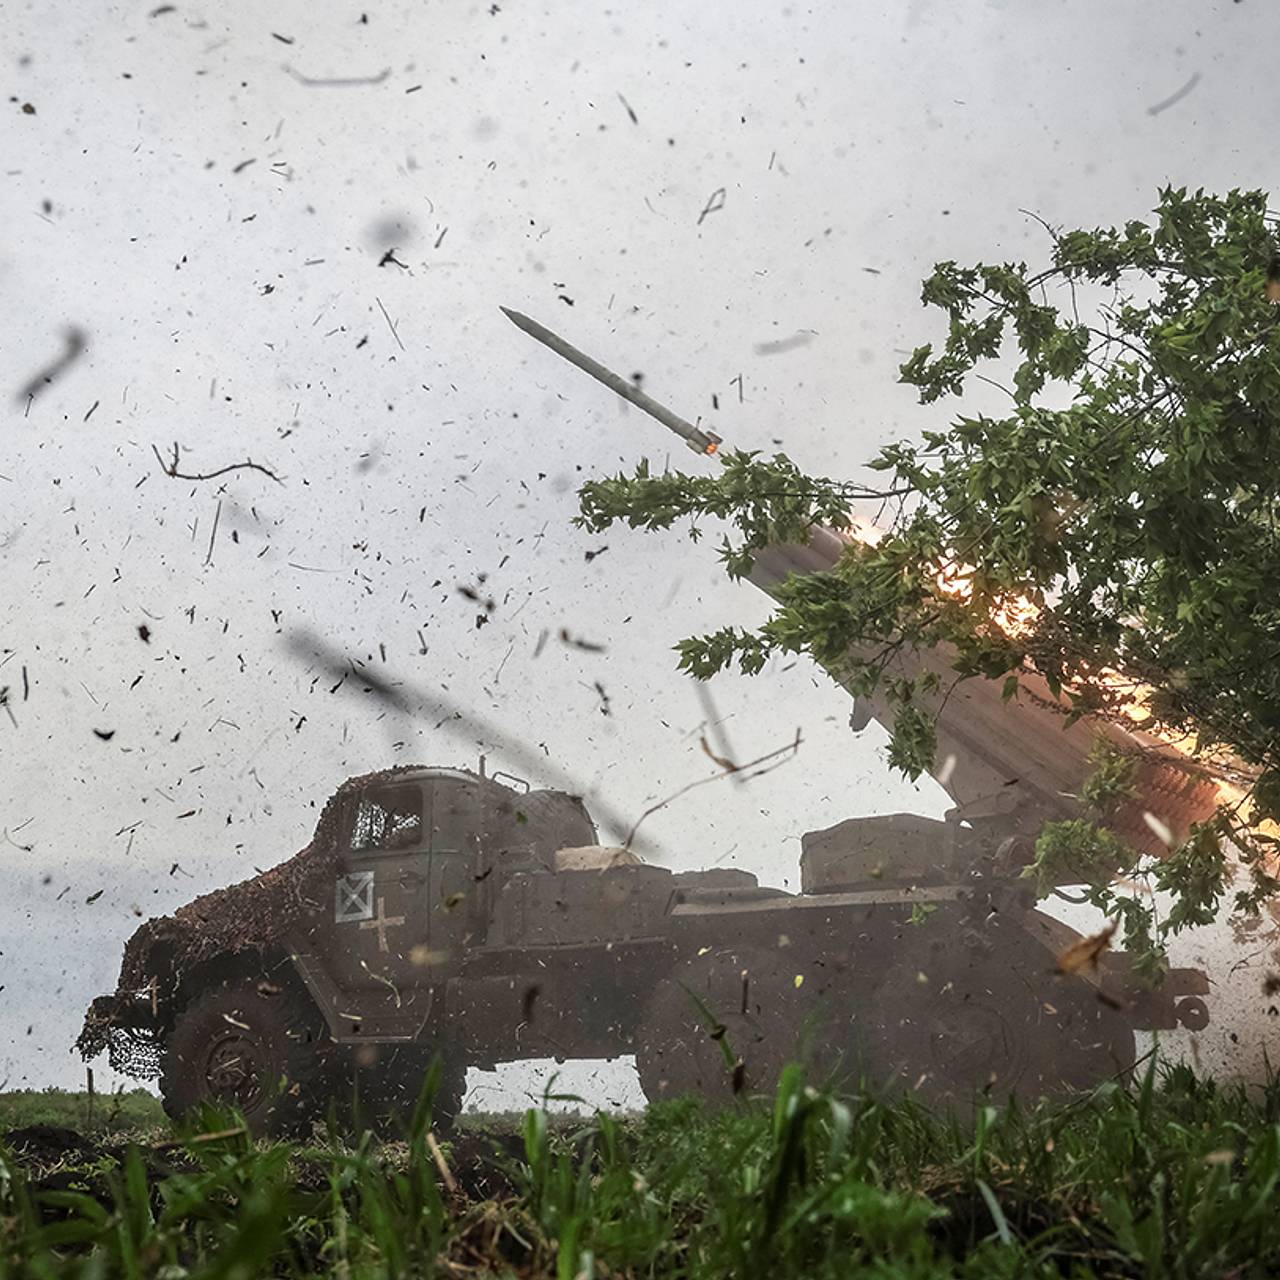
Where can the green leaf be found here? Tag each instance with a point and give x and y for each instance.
(997, 1214)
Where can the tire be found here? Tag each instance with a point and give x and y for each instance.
(1096, 1042)
(726, 1027)
(379, 1087)
(978, 1028)
(251, 1044)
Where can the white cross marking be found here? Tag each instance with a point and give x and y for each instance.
(380, 922)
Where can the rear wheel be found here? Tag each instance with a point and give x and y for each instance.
(380, 1086)
(252, 1044)
(979, 1028)
(727, 1025)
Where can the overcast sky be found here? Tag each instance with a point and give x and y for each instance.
(669, 186)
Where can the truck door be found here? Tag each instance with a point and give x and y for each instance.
(454, 901)
(379, 909)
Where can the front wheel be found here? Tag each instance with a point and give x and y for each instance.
(249, 1044)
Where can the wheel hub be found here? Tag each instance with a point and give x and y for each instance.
(233, 1072)
(974, 1042)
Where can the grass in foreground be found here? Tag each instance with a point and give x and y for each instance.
(1175, 1178)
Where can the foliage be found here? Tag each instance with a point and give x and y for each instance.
(1124, 504)
(1172, 1177)
(134, 1110)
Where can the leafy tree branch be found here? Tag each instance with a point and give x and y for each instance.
(1114, 530)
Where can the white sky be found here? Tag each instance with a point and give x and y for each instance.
(240, 314)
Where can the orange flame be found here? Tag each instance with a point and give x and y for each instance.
(1016, 615)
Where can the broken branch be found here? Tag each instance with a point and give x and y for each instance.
(792, 747)
(171, 468)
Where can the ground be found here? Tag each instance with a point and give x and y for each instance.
(1173, 1176)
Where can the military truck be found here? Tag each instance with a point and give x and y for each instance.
(441, 912)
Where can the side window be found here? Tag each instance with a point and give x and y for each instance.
(387, 818)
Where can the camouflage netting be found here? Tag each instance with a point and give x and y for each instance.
(258, 914)
(132, 1051)
(253, 914)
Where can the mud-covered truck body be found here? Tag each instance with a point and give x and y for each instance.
(440, 912)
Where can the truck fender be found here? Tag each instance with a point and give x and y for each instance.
(346, 1025)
